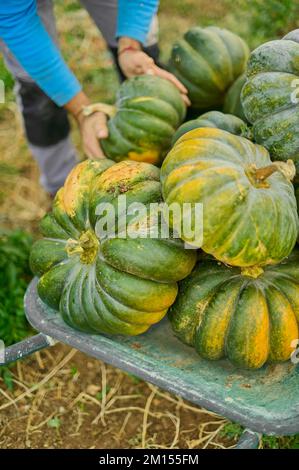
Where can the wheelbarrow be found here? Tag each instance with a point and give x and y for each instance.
(264, 401)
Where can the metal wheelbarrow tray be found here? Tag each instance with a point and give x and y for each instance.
(264, 401)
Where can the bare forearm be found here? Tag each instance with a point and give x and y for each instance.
(125, 43)
(76, 104)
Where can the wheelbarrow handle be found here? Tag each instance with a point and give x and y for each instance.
(248, 440)
(25, 348)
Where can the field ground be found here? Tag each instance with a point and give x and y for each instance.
(60, 398)
(64, 399)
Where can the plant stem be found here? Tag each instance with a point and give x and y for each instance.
(108, 109)
(263, 173)
(287, 169)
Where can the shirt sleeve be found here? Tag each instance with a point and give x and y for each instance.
(134, 18)
(23, 32)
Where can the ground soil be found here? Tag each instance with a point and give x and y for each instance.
(64, 399)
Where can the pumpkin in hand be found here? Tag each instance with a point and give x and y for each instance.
(270, 97)
(248, 315)
(147, 112)
(102, 281)
(208, 61)
(227, 122)
(249, 206)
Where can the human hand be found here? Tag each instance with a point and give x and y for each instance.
(92, 127)
(133, 61)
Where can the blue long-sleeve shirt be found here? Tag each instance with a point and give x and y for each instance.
(23, 32)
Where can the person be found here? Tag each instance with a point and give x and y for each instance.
(47, 89)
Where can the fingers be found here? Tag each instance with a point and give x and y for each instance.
(135, 63)
(138, 62)
(94, 128)
(100, 125)
(169, 76)
(92, 148)
(142, 62)
(186, 99)
(155, 70)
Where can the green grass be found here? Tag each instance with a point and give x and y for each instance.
(6, 76)
(8, 80)
(70, 6)
(14, 277)
(233, 431)
(262, 21)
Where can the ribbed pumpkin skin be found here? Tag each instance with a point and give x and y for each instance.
(226, 122)
(224, 313)
(267, 98)
(232, 102)
(208, 60)
(149, 110)
(110, 285)
(297, 196)
(244, 224)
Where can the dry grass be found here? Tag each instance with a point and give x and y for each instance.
(23, 202)
(64, 399)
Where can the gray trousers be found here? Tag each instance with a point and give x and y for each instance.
(46, 125)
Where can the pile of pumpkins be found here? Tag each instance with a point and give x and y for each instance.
(237, 295)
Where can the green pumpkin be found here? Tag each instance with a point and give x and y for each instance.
(208, 61)
(270, 97)
(249, 316)
(105, 283)
(297, 196)
(232, 102)
(227, 122)
(249, 206)
(147, 112)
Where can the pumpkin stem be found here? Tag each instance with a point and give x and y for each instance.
(108, 109)
(287, 169)
(252, 271)
(73, 247)
(263, 173)
(87, 247)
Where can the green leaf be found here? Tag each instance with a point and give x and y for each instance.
(54, 423)
(232, 431)
(7, 377)
(99, 395)
(74, 371)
